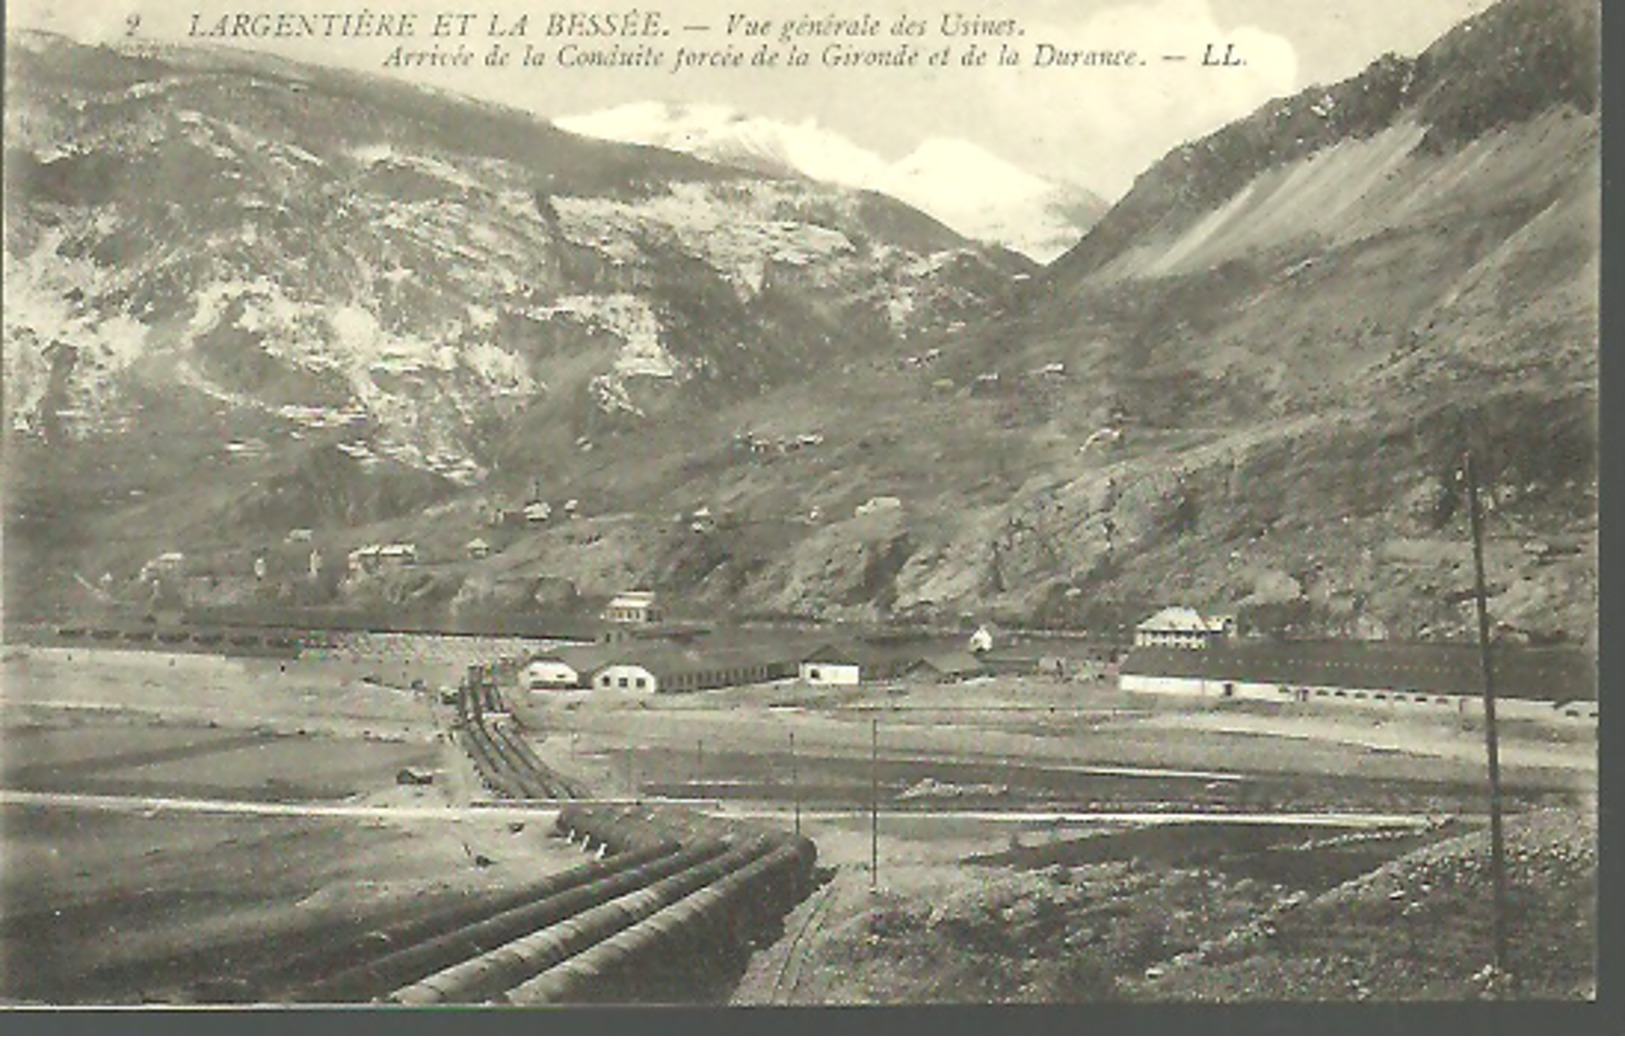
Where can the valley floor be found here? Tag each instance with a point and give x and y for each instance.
(183, 832)
(1040, 842)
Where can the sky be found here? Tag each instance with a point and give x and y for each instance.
(1099, 127)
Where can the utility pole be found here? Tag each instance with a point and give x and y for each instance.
(874, 804)
(1491, 749)
(795, 784)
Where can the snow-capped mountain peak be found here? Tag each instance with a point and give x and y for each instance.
(956, 181)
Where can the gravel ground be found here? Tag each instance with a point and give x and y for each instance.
(1148, 929)
(1420, 928)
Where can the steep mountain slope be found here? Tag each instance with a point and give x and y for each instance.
(963, 185)
(253, 263)
(1299, 323)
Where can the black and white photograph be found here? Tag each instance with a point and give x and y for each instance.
(868, 504)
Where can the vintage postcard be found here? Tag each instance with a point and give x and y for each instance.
(866, 504)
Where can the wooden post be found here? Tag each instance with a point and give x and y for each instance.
(795, 785)
(874, 804)
(1491, 749)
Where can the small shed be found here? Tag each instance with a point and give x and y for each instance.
(947, 666)
(830, 665)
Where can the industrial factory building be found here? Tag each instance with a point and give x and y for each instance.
(669, 665)
(657, 668)
(1530, 682)
(830, 665)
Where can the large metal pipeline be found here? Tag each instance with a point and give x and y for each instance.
(499, 970)
(534, 777)
(311, 975)
(508, 766)
(631, 826)
(721, 916)
(475, 938)
(533, 763)
(498, 771)
(496, 774)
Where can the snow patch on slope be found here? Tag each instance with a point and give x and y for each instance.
(736, 235)
(45, 311)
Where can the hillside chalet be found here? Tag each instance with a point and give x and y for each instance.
(373, 559)
(634, 608)
(1529, 682)
(1184, 628)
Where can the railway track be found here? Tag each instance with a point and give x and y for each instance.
(788, 976)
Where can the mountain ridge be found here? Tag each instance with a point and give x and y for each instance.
(1248, 388)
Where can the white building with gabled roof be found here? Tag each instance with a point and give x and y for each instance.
(1183, 627)
(637, 607)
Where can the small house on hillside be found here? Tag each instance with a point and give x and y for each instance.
(478, 548)
(398, 554)
(1184, 628)
(168, 563)
(374, 559)
(879, 504)
(634, 608)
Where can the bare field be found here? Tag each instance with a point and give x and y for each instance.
(109, 901)
(1023, 742)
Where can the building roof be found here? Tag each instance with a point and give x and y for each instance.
(946, 656)
(1555, 674)
(953, 662)
(584, 659)
(666, 660)
(1179, 619)
(1032, 648)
